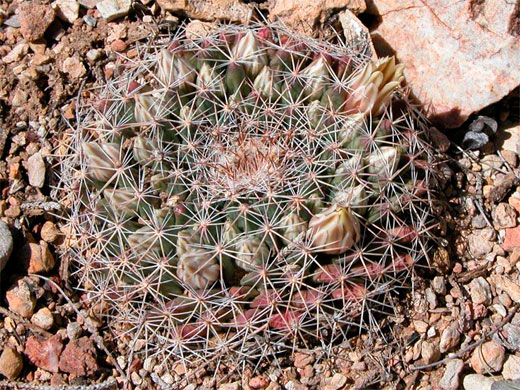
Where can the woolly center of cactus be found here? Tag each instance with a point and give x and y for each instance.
(246, 163)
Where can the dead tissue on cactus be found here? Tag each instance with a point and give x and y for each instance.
(246, 192)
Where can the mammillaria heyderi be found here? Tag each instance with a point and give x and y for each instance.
(249, 188)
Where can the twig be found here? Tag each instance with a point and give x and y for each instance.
(471, 346)
(28, 386)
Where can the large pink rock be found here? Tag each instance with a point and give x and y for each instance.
(460, 56)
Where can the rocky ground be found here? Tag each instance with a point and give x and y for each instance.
(461, 325)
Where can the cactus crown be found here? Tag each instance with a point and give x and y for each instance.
(246, 190)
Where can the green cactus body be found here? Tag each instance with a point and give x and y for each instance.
(262, 188)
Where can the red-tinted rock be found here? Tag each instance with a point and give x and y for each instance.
(460, 56)
(44, 353)
(79, 357)
(34, 18)
(512, 239)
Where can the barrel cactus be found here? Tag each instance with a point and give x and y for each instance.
(246, 191)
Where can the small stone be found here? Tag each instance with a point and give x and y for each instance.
(230, 386)
(21, 299)
(136, 379)
(118, 46)
(490, 164)
(67, 10)
(90, 20)
(40, 59)
(506, 385)
(302, 359)
(430, 352)
(16, 53)
(113, 9)
(510, 138)
(49, 232)
(74, 330)
(11, 363)
(73, 67)
(480, 291)
(512, 334)
(420, 326)
(439, 285)
(504, 216)
(512, 239)
(338, 381)
(44, 353)
(450, 379)
(34, 18)
(258, 382)
(94, 54)
(149, 364)
(36, 170)
(6, 244)
(12, 21)
(167, 378)
(511, 368)
(37, 257)
(479, 246)
(79, 357)
(478, 222)
(431, 298)
(488, 357)
(477, 382)
(508, 286)
(217, 10)
(43, 318)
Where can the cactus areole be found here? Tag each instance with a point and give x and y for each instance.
(245, 189)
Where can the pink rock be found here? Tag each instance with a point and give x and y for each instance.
(79, 357)
(460, 56)
(512, 239)
(34, 18)
(44, 353)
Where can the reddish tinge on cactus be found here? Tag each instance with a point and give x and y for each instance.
(246, 190)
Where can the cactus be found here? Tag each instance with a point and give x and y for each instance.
(246, 189)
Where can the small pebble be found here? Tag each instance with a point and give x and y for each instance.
(477, 382)
(90, 20)
(43, 318)
(6, 244)
(450, 379)
(74, 330)
(480, 291)
(36, 170)
(511, 368)
(450, 338)
(11, 363)
(118, 46)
